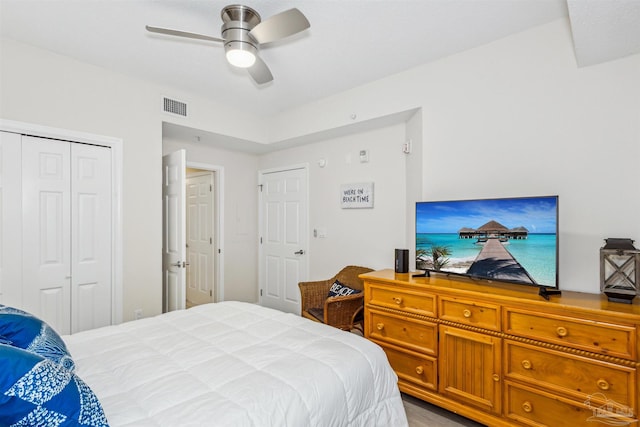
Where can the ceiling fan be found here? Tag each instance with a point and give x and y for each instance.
(243, 32)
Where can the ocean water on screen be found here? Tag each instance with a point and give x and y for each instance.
(536, 253)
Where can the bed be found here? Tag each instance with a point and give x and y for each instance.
(236, 364)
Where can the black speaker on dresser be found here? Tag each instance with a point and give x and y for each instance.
(402, 260)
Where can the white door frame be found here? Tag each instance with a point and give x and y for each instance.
(115, 144)
(261, 174)
(218, 226)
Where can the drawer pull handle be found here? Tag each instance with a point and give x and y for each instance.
(466, 313)
(419, 370)
(527, 406)
(526, 364)
(380, 326)
(562, 331)
(602, 384)
(397, 300)
(495, 377)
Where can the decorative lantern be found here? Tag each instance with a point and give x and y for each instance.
(619, 270)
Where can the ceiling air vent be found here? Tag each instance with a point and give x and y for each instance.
(174, 107)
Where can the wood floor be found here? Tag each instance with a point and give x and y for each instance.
(423, 414)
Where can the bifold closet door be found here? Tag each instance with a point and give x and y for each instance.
(66, 233)
(46, 231)
(91, 252)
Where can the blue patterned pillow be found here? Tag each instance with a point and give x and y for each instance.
(339, 290)
(23, 330)
(35, 391)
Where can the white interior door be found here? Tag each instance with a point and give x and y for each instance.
(173, 240)
(200, 238)
(46, 231)
(91, 249)
(284, 238)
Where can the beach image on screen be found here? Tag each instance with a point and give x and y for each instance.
(511, 240)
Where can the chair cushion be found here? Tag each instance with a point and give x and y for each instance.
(340, 290)
(23, 330)
(318, 313)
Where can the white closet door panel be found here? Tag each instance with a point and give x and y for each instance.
(46, 231)
(51, 307)
(10, 219)
(91, 237)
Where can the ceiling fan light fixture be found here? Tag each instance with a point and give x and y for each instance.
(241, 55)
(240, 58)
(243, 32)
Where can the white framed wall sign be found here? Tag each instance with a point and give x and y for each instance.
(356, 196)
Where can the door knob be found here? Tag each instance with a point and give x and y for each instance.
(179, 264)
(300, 252)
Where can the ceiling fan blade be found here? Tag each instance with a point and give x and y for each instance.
(279, 26)
(259, 72)
(183, 34)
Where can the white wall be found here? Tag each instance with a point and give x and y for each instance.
(573, 132)
(44, 88)
(543, 126)
(365, 237)
(240, 245)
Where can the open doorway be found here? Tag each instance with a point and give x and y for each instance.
(200, 249)
(192, 232)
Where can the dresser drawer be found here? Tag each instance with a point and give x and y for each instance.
(412, 368)
(481, 315)
(402, 331)
(536, 408)
(403, 299)
(598, 337)
(576, 376)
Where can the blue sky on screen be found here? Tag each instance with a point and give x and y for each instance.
(537, 214)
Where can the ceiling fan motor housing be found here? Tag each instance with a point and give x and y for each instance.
(243, 31)
(238, 12)
(238, 21)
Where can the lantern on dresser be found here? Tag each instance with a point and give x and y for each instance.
(619, 270)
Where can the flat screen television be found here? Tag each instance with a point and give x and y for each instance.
(508, 239)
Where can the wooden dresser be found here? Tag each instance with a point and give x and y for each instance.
(502, 355)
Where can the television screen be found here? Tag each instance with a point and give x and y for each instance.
(510, 239)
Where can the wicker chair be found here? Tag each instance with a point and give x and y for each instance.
(343, 312)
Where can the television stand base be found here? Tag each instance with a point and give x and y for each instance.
(546, 292)
(425, 273)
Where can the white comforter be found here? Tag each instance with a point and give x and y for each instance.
(236, 364)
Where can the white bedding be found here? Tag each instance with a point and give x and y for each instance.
(236, 364)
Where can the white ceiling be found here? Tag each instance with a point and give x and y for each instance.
(350, 42)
